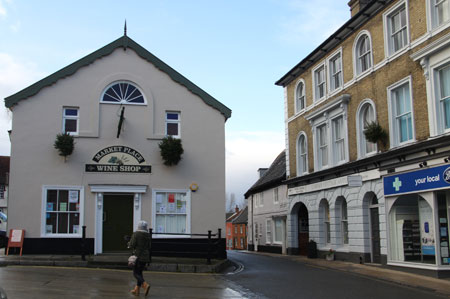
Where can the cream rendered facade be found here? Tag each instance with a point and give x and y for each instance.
(37, 168)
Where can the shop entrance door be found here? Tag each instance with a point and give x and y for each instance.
(117, 221)
(303, 230)
(375, 235)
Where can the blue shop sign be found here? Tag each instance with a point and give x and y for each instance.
(420, 180)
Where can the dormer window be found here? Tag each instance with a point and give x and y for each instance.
(123, 93)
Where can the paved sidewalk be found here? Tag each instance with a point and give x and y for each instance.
(115, 261)
(440, 286)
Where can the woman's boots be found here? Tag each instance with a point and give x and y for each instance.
(146, 288)
(135, 291)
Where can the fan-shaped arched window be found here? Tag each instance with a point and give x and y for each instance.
(122, 93)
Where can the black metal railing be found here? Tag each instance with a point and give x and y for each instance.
(211, 247)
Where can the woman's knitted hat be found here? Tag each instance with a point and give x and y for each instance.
(143, 225)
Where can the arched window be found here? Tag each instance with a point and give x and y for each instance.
(302, 155)
(324, 214)
(363, 53)
(344, 222)
(122, 92)
(366, 115)
(300, 102)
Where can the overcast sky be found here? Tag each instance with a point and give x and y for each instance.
(233, 49)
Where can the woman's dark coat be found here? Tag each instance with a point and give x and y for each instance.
(140, 244)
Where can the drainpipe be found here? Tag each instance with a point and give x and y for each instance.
(283, 234)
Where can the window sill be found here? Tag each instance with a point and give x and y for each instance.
(161, 236)
(298, 113)
(60, 236)
(343, 248)
(400, 52)
(332, 93)
(439, 29)
(364, 74)
(404, 144)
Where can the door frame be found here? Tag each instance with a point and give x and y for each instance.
(374, 206)
(99, 190)
(302, 206)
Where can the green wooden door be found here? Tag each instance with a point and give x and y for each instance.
(117, 221)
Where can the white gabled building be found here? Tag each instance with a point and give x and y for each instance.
(118, 103)
(268, 208)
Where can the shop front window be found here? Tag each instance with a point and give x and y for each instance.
(172, 211)
(412, 230)
(443, 212)
(62, 211)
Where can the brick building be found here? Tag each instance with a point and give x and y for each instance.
(229, 234)
(387, 68)
(239, 230)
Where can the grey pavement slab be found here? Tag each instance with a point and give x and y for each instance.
(60, 282)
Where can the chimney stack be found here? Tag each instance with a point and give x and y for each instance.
(357, 5)
(262, 171)
(236, 209)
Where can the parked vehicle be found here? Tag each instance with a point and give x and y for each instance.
(3, 219)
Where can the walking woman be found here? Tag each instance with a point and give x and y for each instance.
(140, 244)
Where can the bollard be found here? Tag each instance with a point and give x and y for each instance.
(83, 243)
(208, 257)
(150, 231)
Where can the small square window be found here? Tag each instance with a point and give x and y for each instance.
(70, 121)
(173, 124)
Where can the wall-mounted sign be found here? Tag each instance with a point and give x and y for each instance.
(420, 180)
(351, 181)
(118, 158)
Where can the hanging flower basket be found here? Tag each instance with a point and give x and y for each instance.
(376, 134)
(65, 144)
(171, 150)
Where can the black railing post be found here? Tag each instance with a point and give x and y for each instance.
(151, 239)
(217, 245)
(83, 243)
(208, 257)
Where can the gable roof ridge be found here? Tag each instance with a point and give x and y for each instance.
(125, 42)
(274, 176)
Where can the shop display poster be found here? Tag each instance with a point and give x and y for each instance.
(49, 228)
(426, 228)
(73, 196)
